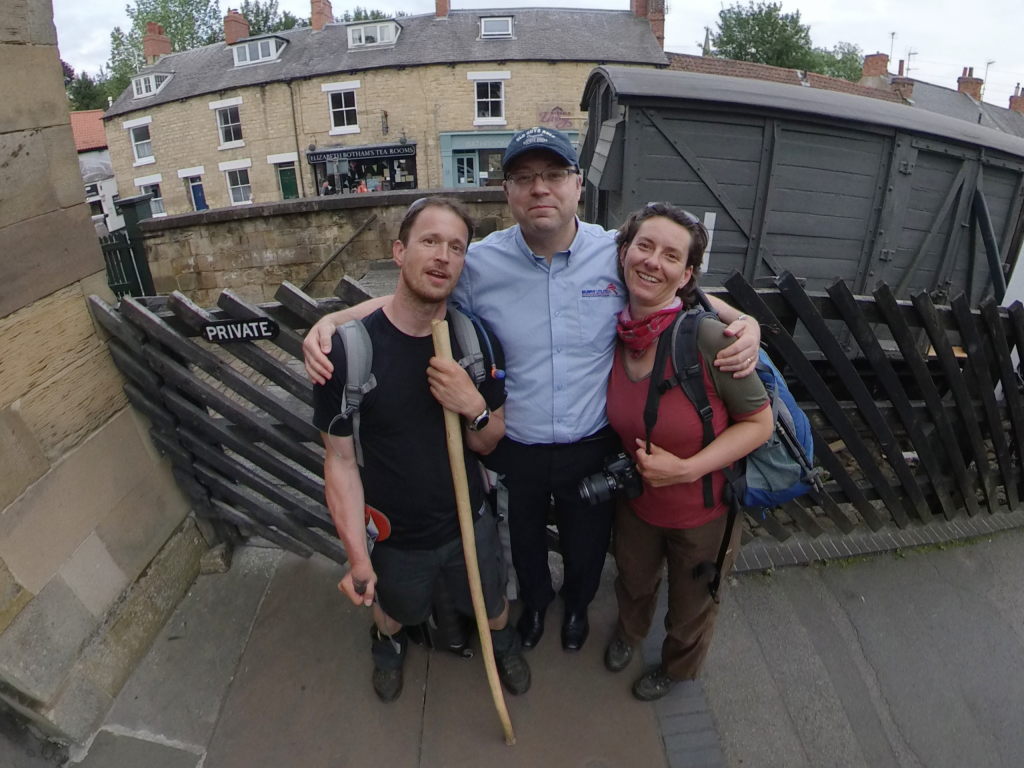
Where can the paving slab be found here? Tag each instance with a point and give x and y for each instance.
(177, 691)
(909, 660)
(110, 750)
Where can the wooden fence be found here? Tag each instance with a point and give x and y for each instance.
(916, 408)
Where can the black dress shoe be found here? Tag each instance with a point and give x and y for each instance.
(531, 625)
(575, 629)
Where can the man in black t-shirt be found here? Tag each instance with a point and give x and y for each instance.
(404, 489)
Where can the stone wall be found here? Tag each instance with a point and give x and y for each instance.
(252, 250)
(86, 505)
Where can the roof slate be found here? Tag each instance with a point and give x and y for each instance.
(539, 34)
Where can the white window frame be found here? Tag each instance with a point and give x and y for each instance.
(349, 86)
(234, 166)
(504, 32)
(144, 86)
(130, 126)
(477, 78)
(156, 179)
(357, 34)
(258, 51)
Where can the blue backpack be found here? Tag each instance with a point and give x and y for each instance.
(776, 472)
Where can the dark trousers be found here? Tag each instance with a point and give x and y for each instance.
(640, 551)
(534, 475)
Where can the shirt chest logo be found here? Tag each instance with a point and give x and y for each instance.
(610, 290)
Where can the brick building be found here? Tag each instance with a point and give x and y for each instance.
(415, 102)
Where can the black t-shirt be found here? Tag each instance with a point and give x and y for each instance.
(406, 475)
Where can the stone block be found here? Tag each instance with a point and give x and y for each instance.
(13, 597)
(24, 462)
(41, 645)
(93, 576)
(79, 710)
(43, 339)
(36, 98)
(138, 618)
(45, 254)
(70, 406)
(135, 530)
(48, 522)
(39, 171)
(27, 21)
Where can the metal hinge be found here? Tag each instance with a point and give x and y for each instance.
(906, 167)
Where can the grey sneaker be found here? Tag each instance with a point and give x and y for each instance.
(653, 685)
(618, 654)
(514, 673)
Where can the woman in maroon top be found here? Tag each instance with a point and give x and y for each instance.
(660, 251)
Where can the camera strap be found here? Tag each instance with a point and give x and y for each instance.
(657, 385)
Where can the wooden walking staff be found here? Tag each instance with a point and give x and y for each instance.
(453, 431)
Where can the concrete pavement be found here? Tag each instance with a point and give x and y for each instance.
(909, 660)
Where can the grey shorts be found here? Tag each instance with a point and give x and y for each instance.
(406, 578)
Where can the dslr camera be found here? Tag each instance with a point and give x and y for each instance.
(619, 474)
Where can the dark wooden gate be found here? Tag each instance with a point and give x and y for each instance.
(919, 417)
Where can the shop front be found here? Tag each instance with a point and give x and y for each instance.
(370, 168)
(473, 158)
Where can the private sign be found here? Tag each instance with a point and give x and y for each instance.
(220, 331)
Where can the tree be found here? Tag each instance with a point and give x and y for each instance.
(762, 33)
(87, 93)
(263, 16)
(845, 61)
(69, 72)
(368, 14)
(188, 23)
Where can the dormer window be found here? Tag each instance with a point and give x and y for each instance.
(256, 51)
(381, 33)
(496, 26)
(147, 85)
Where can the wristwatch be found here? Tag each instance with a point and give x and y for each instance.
(480, 421)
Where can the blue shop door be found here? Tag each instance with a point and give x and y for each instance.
(465, 169)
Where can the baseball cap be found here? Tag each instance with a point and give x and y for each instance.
(540, 138)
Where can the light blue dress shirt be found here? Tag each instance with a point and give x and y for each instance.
(556, 324)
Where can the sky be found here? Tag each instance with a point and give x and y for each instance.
(944, 36)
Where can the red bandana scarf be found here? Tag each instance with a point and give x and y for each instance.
(639, 335)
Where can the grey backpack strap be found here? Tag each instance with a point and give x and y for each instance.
(358, 378)
(465, 335)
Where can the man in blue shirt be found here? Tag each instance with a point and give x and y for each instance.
(549, 289)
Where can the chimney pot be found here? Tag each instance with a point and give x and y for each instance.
(321, 14)
(155, 43)
(969, 84)
(901, 67)
(1017, 100)
(875, 65)
(236, 27)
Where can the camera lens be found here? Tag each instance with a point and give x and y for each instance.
(596, 488)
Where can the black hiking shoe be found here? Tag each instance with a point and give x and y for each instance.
(388, 653)
(514, 672)
(618, 654)
(653, 685)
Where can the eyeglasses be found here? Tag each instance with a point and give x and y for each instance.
(549, 175)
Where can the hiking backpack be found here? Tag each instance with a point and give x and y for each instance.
(359, 379)
(775, 472)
